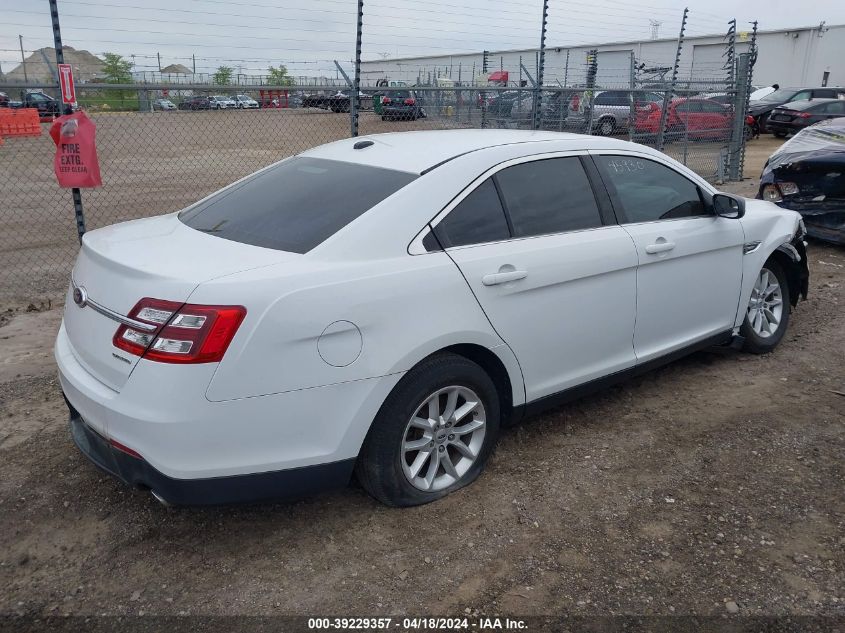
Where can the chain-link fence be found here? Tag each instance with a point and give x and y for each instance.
(164, 143)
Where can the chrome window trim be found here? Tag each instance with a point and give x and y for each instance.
(416, 246)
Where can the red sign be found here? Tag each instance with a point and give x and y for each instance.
(66, 82)
(76, 163)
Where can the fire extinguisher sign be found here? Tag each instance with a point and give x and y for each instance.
(66, 82)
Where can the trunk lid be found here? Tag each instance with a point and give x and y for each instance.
(156, 257)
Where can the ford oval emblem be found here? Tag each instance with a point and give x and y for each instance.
(80, 297)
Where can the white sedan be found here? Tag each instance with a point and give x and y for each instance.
(384, 305)
(244, 102)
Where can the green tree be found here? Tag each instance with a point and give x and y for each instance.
(223, 75)
(279, 76)
(116, 69)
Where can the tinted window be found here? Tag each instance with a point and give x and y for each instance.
(824, 94)
(295, 205)
(477, 219)
(650, 191)
(837, 107)
(548, 196)
(605, 98)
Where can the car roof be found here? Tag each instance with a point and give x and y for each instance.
(803, 104)
(420, 151)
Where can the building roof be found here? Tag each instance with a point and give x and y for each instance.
(549, 47)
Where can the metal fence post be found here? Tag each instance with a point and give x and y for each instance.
(60, 59)
(632, 80)
(664, 111)
(737, 143)
(538, 98)
(590, 93)
(484, 58)
(356, 88)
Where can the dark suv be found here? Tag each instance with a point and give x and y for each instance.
(195, 103)
(762, 109)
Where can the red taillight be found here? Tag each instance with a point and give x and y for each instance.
(803, 115)
(575, 102)
(125, 449)
(184, 333)
(385, 100)
(409, 102)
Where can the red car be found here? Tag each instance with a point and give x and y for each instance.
(695, 119)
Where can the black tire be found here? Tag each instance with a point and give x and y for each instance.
(779, 134)
(379, 466)
(606, 127)
(755, 343)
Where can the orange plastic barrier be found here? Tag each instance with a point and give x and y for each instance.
(19, 122)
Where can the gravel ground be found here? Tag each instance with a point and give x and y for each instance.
(712, 486)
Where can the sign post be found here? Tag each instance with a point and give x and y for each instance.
(66, 79)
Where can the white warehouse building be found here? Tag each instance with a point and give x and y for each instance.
(810, 56)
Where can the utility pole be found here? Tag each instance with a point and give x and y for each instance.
(23, 59)
(655, 28)
(60, 59)
(193, 64)
(158, 57)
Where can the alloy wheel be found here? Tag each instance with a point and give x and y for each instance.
(765, 309)
(443, 438)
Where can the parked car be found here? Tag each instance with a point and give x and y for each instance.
(46, 105)
(244, 102)
(316, 100)
(807, 174)
(4, 100)
(402, 105)
(686, 118)
(195, 103)
(163, 104)
(222, 102)
(387, 316)
(795, 116)
(761, 109)
(611, 110)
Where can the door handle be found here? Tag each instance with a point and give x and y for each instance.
(503, 277)
(660, 247)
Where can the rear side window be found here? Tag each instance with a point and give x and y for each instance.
(548, 196)
(296, 204)
(479, 218)
(649, 191)
(835, 107)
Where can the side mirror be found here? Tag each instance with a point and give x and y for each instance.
(728, 206)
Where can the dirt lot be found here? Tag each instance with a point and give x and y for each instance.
(713, 481)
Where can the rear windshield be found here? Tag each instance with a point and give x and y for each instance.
(295, 205)
(780, 96)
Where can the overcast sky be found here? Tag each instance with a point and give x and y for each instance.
(248, 35)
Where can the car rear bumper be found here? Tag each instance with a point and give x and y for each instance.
(783, 126)
(137, 472)
(162, 413)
